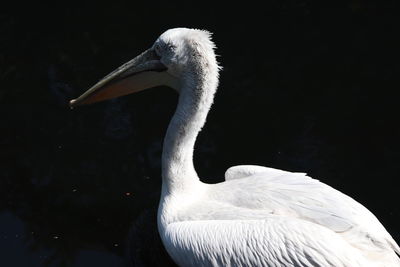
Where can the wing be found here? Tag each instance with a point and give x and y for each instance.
(275, 241)
(297, 196)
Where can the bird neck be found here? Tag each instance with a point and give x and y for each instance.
(195, 99)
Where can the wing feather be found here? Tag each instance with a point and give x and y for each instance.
(296, 195)
(274, 241)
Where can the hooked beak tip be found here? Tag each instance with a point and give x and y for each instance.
(72, 103)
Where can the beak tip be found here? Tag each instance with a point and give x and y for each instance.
(72, 103)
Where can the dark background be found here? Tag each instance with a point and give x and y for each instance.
(305, 87)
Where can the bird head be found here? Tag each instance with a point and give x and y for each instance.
(177, 56)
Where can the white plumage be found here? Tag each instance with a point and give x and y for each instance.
(275, 218)
(259, 216)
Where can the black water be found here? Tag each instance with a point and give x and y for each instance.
(304, 87)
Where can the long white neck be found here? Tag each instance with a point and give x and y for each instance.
(196, 97)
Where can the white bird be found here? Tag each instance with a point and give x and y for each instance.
(258, 216)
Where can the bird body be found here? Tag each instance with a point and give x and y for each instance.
(272, 218)
(258, 216)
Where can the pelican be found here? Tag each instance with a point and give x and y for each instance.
(258, 216)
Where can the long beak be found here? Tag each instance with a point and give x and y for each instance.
(143, 72)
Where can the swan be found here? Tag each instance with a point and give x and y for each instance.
(258, 216)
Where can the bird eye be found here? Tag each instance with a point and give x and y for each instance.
(171, 47)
